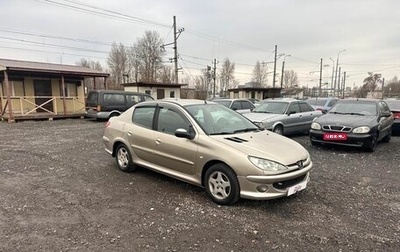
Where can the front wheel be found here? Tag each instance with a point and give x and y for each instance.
(124, 159)
(371, 145)
(278, 129)
(222, 185)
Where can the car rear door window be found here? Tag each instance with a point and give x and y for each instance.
(247, 105)
(294, 108)
(305, 107)
(114, 99)
(143, 116)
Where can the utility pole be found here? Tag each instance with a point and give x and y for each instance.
(338, 84)
(344, 84)
(320, 79)
(175, 43)
(337, 80)
(333, 73)
(214, 76)
(175, 52)
(273, 79)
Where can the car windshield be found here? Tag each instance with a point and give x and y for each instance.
(216, 119)
(355, 108)
(271, 107)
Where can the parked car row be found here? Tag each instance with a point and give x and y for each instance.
(284, 116)
(354, 122)
(240, 155)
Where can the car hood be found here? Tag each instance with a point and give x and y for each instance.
(259, 117)
(345, 120)
(266, 144)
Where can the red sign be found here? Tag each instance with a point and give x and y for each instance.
(335, 136)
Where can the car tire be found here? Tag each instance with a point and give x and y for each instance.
(278, 129)
(222, 184)
(371, 145)
(387, 138)
(124, 159)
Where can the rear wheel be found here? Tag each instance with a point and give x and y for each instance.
(124, 159)
(278, 129)
(221, 184)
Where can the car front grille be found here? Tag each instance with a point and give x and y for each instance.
(288, 183)
(336, 128)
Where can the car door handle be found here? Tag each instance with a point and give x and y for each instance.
(158, 141)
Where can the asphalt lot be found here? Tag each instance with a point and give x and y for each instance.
(60, 191)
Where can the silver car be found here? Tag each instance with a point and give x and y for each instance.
(284, 116)
(209, 145)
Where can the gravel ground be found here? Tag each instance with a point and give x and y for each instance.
(60, 191)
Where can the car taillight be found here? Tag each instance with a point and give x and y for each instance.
(98, 108)
(107, 124)
(396, 115)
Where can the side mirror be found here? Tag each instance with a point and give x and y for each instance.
(291, 112)
(182, 133)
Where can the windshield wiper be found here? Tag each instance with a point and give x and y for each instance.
(349, 113)
(246, 130)
(222, 133)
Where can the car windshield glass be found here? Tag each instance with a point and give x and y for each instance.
(216, 119)
(272, 107)
(355, 108)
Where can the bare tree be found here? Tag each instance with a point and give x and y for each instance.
(290, 79)
(118, 64)
(91, 83)
(372, 81)
(226, 76)
(147, 57)
(202, 84)
(393, 87)
(260, 74)
(166, 74)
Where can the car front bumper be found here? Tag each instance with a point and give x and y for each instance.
(353, 140)
(272, 186)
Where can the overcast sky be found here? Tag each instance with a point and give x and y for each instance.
(64, 31)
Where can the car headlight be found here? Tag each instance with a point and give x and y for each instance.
(361, 130)
(315, 126)
(267, 165)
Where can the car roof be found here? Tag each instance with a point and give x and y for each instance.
(360, 99)
(181, 102)
(289, 100)
(115, 91)
(230, 99)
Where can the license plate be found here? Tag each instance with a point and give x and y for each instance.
(335, 136)
(297, 188)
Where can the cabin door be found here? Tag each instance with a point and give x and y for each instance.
(43, 94)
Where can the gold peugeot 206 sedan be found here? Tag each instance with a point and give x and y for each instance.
(209, 145)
